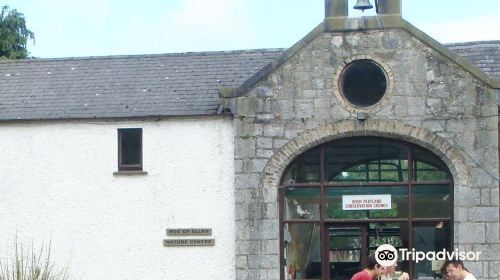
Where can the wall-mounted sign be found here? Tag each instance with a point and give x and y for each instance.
(188, 242)
(366, 202)
(188, 231)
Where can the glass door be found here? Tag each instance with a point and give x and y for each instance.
(346, 250)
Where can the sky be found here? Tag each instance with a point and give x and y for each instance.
(76, 28)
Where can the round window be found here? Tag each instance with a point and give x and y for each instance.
(363, 83)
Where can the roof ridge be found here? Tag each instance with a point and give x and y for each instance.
(492, 43)
(178, 54)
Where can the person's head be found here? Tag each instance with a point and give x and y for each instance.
(444, 273)
(390, 269)
(374, 267)
(455, 269)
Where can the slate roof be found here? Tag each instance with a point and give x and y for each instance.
(485, 55)
(149, 85)
(124, 86)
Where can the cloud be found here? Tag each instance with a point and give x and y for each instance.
(477, 28)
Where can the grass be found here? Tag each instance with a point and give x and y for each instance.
(28, 264)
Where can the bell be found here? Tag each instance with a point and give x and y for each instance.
(363, 5)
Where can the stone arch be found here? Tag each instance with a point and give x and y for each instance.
(350, 128)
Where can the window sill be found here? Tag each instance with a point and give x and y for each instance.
(130, 173)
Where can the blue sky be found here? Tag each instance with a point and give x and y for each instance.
(75, 28)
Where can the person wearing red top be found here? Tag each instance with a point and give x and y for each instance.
(372, 269)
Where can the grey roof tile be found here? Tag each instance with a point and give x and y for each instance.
(484, 54)
(124, 86)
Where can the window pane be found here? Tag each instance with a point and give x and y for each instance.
(302, 251)
(344, 252)
(366, 159)
(395, 234)
(130, 145)
(302, 203)
(305, 169)
(428, 167)
(399, 202)
(431, 201)
(430, 237)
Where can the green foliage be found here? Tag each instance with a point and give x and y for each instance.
(26, 264)
(13, 34)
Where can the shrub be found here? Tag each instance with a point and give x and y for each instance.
(28, 264)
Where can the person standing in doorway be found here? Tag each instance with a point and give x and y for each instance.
(373, 269)
(456, 270)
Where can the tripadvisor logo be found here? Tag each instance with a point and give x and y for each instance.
(387, 255)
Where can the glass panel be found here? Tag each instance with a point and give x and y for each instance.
(395, 234)
(302, 203)
(399, 202)
(431, 201)
(344, 251)
(428, 167)
(430, 237)
(366, 159)
(302, 251)
(130, 144)
(305, 169)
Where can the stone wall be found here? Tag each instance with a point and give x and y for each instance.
(431, 101)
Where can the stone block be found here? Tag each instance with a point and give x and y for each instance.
(264, 143)
(257, 165)
(246, 181)
(470, 233)
(279, 143)
(242, 274)
(460, 214)
(265, 153)
(263, 261)
(263, 91)
(269, 195)
(265, 117)
(492, 232)
(273, 274)
(321, 103)
(243, 195)
(466, 197)
(238, 165)
(265, 229)
(270, 246)
(241, 262)
(257, 274)
(494, 269)
(309, 94)
(247, 247)
(488, 252)
(245, 147)
(483, 214)
(290, 134)
(476, 268)
(304, 110)
(274, 130)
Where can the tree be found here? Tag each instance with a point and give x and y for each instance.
(13, 34)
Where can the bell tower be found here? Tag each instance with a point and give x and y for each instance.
(340, 8)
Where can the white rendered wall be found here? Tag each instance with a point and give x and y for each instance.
(57, 184)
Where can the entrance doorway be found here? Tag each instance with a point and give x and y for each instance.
(341, 200)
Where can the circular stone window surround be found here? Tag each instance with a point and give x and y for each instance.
(352, 108)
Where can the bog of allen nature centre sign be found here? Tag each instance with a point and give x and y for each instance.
(191, 241)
